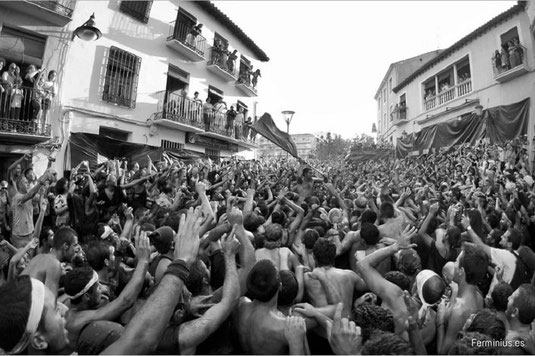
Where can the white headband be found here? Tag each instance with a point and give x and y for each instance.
(92, 281)
(36, 311)
(421, 278)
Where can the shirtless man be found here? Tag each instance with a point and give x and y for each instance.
(282, 257)
(46, 267)
(259, 323)
(470, 268)
(393, 225)
(344, 282)
(83, 287)
(305, 187)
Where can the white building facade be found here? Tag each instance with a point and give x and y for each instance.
(463, 78)
(136, 83)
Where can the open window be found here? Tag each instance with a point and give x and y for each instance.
(21, 47)
(214, 94)
(184, 23)
(240, 105)
(245, 68)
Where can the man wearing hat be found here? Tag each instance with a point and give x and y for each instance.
(162, 240)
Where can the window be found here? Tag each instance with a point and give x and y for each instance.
(122, 72)
(21, 47)
(390, 84)
(402, 100)
(184, 22)
(239, 105)
(139, 10)
(384, 95)
(214, 94)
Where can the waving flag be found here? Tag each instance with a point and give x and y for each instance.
(267, 128)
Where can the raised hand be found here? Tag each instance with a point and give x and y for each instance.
(230, 244)
(344, 336)
(433, 209)
(142, 247)
(187, 238)
(128, 213)
(404, 241)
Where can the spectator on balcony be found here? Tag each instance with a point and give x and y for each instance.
(231, 60)
(219, 112)
(247, 127)
(30, 75)
(231, 116)
(38, 95)
(195, 108)
(255, 76)
(240, 118)
(514, 55)
(192, 35)
(223, 59)
(16, 97)
(50, 89)
(7, 80)
(497, 58)
(217, 50)
(208, 113)
(505, 58)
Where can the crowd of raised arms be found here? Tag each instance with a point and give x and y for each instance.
(429, 254)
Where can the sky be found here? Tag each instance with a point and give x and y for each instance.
(327, 58)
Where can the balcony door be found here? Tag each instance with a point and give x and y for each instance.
(176, 87)
(184, 22)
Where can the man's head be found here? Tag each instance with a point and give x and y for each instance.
(309, 238)
(430, 287)
(368, 216)
(453, 235)
(66, 242)
(199, 277)
(487, 322)
(273, 233)
(289, 288)
(82, 286)
(511, 239)
(500, 295)
(387, 210)
(370, 317)
(448, 272)
(409, 262)
(521, 304)
(263, 281)
(100, 255)
(473, 343)
(31, 316)
(399, 279)
(471, 265)
(324, 252)
(162, 239)
(369, 233)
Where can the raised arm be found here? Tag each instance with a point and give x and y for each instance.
(192, 333)
(474, 237)
(137, 338)
(422, 232)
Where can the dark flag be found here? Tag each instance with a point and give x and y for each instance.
(267, 128)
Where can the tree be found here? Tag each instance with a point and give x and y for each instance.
(332, 147)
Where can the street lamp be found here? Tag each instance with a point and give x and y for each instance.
(88, 31)
(288, 116)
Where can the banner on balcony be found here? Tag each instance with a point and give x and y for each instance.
(497, 124)
(267, 128)
(95, 149)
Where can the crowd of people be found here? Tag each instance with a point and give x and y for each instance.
(26, 97)
(430, 254)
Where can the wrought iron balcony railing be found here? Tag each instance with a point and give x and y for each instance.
(25, 110)
(220, 58)
(183, 110)
(62, 7)
(181, 32)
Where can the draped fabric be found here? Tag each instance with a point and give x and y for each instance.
(498, 124)
(362, 154)
(267, 128)
(91, 148)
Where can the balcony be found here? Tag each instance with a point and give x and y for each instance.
(514, 69)
(399, 114)
(448, 95)
(243, 83)
(16, 124)
(218, 65)
(57, 13)
(183, 42)
(184, 114)
(178, 112)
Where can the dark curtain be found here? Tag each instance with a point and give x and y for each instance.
(499, 124)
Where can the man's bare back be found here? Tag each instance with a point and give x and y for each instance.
(279, 256)
(260, 329)
(392, 227)
(343, 281)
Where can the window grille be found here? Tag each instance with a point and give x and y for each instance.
(172, 145)
(122, 72)
(212, 153)
(139, 10)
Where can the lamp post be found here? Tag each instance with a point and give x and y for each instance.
(88, 31)
(288, 116)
